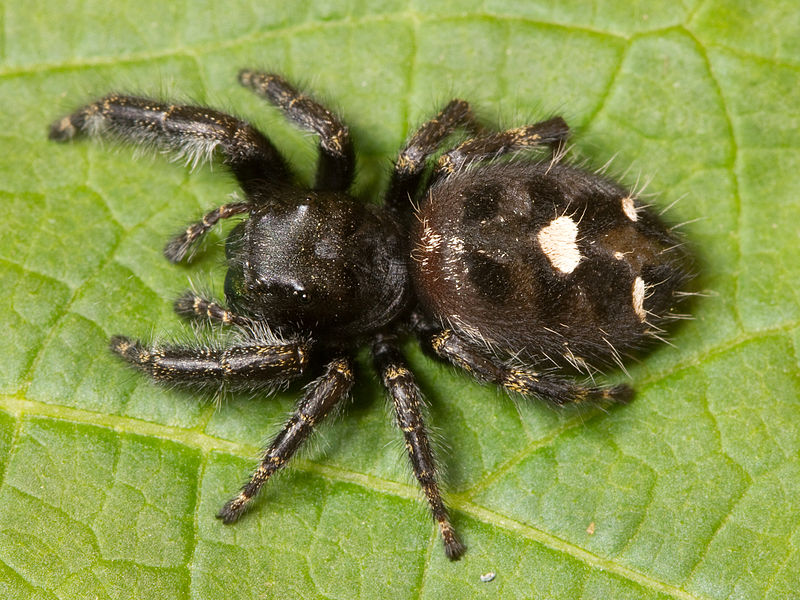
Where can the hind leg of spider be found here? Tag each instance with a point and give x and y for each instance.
(246, 364)
(399, 382)
(190, 133)
(553, 132)
(192, 306)
(336, 157)
(410, 163)
(485, 367)
(320, 398)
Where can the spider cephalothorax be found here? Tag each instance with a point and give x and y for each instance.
(506, 266)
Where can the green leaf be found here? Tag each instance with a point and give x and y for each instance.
(110, 485)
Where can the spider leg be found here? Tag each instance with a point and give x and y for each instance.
(256, 363)
(337, 159)
(180, 245)
(462, 353)
(552, 132)
(399, 382)
(321, 396)
(410, 163)
(193, 133)
(192, 306)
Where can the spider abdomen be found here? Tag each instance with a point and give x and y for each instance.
(544, 260)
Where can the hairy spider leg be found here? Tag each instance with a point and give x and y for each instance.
(336, 157)
(321, 396)
(552, 132)
(247, 364)
(462, 353)
(193, 133)
(192, 306)
(178, 247)
(410, 163)
(399, 382)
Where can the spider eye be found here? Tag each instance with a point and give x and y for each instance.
(302, 296)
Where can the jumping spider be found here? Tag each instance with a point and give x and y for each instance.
(498, 263)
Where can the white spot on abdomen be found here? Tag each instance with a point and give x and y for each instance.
(629, 208)
(638, 298)
(559, 243)
(429, 244)
(456, 245)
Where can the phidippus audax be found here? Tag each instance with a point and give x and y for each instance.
(514, 269)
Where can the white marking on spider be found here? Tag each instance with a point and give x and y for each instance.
(638, 298)
(94, 124)
(629, 208)
(429, 243)
(558, 241)
(194, 152)
(454, 259)
(456, 245)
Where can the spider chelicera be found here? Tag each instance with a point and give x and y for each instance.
(516, 269)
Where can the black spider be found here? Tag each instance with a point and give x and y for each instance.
(506, 264)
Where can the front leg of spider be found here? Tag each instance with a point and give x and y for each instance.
(190, 133)
(399, 382)
(320, 398)
(237, 365)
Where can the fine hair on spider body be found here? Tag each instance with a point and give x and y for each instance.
(515, 268)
